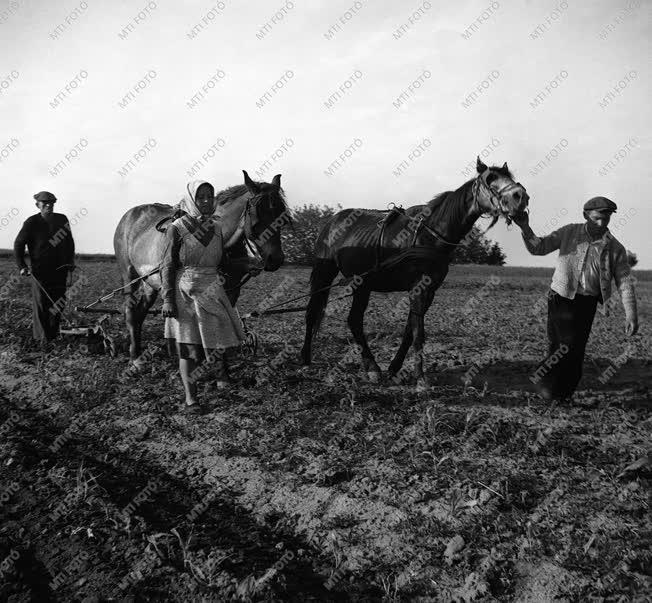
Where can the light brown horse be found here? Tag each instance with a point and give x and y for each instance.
(251, 215)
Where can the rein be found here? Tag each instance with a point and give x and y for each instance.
(418, 252)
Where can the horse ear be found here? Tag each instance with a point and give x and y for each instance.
(276, 181)
(480, 166)
(249, 183)
(505, 166)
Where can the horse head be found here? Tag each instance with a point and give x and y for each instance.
(497, 193)
(265, 215)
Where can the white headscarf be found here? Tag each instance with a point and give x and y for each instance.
(188, 203)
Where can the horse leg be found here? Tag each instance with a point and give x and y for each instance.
(322, 276)
(356, 320)
(233, 273)
(232, 277)
(418, 307)
(397, 362)
(147, 300)
(235, 265)
(231, 289)
(131, 312)
(136, 308)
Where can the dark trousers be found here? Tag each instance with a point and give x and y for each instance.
(46, 314)
(569, 327)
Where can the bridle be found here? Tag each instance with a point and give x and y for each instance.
(250, 206)
(495, 197)
(247, 223)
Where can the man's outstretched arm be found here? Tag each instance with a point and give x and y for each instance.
(538, 245)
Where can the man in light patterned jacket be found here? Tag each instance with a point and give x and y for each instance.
(590, 257)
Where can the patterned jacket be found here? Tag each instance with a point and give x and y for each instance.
(572, 241)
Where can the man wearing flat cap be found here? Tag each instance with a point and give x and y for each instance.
(590, 257)
(52, 253)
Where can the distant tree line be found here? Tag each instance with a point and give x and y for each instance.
(308, 219)
(298, 243)
(478, 249)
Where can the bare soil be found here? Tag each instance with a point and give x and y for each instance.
(316, 485)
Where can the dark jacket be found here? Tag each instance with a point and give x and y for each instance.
(50, 245)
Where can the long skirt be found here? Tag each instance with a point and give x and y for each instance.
(206, 323)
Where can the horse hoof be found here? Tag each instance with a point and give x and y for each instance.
(373, 376)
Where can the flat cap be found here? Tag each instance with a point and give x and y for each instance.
(45, 196)
(600, 203)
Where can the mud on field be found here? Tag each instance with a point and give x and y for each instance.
(318, 486)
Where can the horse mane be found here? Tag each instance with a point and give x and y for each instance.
(450, 204)
(228, 194)
(234, 192)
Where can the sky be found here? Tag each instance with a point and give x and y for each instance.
(355, 103)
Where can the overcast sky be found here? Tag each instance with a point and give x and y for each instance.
(268, 85)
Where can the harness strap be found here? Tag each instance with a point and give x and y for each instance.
(434, 233)
(422, 224)
(382, 224)
(176, 214)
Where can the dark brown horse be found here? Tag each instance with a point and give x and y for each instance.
(251, 216)
(413, 256)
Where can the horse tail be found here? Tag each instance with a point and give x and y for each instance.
(323, 273)
(324, 270)
(321, 278)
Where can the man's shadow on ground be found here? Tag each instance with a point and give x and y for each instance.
(600, 375)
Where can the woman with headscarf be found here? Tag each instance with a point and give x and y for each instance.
(200, 323)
